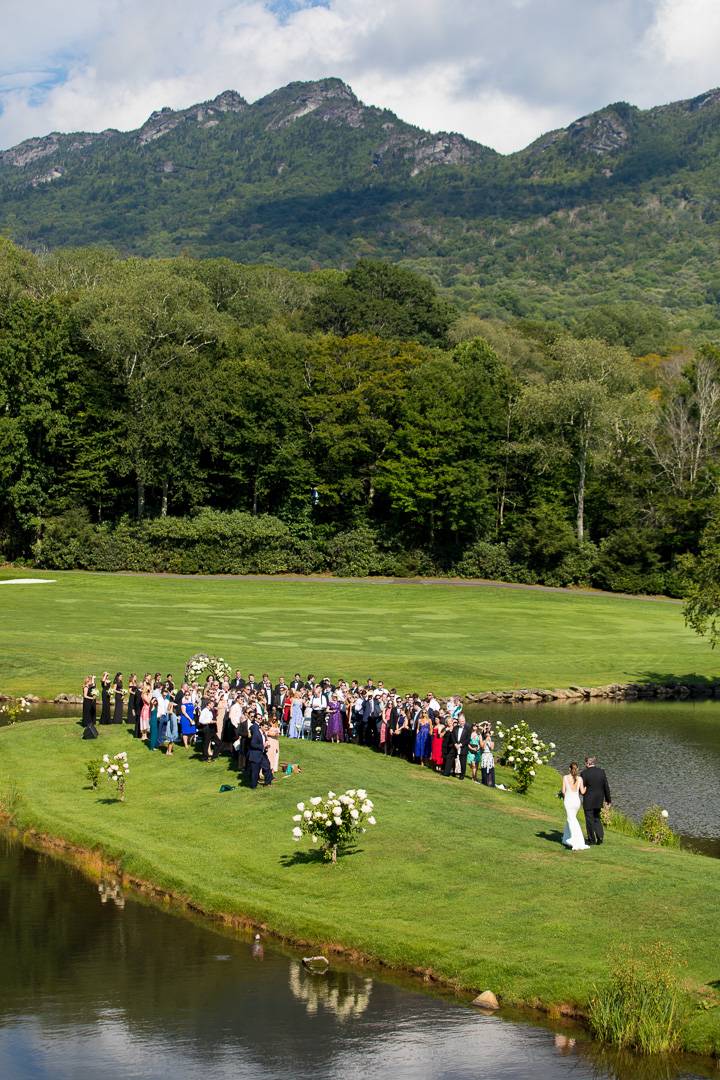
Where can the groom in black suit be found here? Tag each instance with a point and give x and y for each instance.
(596, 794)
(257, 757)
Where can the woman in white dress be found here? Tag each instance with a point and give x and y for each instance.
(572, 789)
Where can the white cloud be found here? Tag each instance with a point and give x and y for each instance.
(500, 71)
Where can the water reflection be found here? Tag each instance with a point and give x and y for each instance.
(100, 984)
(111, 890)
(343, 995)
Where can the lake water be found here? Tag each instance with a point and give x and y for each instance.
(97, 983)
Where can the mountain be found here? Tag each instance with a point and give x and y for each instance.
(621, 204)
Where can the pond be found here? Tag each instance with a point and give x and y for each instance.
(664, 752)
(100, 983)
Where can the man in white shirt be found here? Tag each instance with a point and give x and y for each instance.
(211, 743)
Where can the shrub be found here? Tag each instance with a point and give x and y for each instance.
(628, 561)
(639, 1007)
(208, 542)
(654, 827)
(487, 560)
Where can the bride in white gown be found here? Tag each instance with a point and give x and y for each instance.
(572, 789)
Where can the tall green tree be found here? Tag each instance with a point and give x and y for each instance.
(142, 320)
(41, 366)
(592, 406)
(352, 395)
(386, 301)
(443, 469)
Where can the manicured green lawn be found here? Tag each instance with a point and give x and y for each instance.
(417, 636)
(470, 882)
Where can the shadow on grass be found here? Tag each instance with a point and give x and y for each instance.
(302, 858)
(109, 801)
(554, 837)
(671, 677)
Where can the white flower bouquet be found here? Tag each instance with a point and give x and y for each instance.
(524, 752)
(15, 709)
(335, 821)
(116, 770)
(197, 665)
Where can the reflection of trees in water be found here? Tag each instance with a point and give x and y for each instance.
(343, 995)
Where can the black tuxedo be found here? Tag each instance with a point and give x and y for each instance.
(297, 684)
(267, 692)
(257, 756)
(597, 793)
(251, 686)
(459, 744)
(237, 684)
(280, 692)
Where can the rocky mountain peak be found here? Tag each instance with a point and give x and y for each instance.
(329, 99)
(208, 114)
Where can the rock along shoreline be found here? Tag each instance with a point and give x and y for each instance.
(661, 691)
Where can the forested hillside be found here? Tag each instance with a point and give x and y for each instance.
(620, 206)
(206, 416)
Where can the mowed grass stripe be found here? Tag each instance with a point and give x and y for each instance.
(434, 636)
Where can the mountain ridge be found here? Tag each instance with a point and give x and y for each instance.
(623, 203)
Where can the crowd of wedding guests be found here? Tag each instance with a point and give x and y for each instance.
(218, 717)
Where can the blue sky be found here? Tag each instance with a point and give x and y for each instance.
(500, 71)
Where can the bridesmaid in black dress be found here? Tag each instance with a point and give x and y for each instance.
(138, 704)
(89, 707)
(105, 687)
(118, 692)
(132, 683)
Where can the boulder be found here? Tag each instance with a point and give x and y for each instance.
(59, 698)
(487, 1000)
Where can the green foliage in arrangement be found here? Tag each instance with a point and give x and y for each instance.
(336, 821)
(641, 1007)
(524, 752)
(94, 768)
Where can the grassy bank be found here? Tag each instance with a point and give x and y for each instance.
(469, 883)
(443, 637)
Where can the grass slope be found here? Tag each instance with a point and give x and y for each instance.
(469, 882)
(444, 637)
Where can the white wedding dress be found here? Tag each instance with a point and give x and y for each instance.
(573, 837)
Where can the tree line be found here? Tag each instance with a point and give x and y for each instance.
(204, 415)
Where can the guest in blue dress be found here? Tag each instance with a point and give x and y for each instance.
(187, 719)
(171, 729)
(154, 724)
(423, 739)
(296, 717)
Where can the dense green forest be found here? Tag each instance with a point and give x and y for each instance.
(622, 206)
(207, 416)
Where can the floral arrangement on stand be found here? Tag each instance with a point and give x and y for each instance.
(335, 822)
(117, 770)
(523, 752)
(15, 709)
(200, 663)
